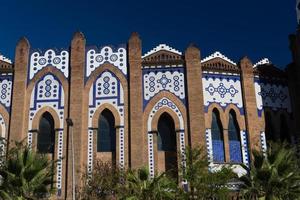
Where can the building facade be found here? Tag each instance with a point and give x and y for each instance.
(87, 103)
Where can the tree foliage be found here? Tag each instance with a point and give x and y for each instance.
(205, 183)
(103, 183)
(139, 185)
(273, 174)
(26, 175)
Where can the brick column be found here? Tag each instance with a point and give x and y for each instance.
(17, 129)
(77, 65)
(137, 146)
(195, 96)
(249, 99)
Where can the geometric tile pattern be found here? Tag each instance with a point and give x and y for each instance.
(90, 152)
(151, 153)
(215, 55)
(163, 102)
(57, 59)
(182, 148)
(163, 79)
(6, 90)
(161, 47)
(209, 147)
(272, 95)
(106, 89)
(96, 57)
(223, 90)
(48, 92)
(245, 147)
(3, 130)
(263, 142)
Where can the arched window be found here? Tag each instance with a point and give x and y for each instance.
(166, 143)
(217, 137)
(269, 130)
(166, 133)
(284, 130)
(234, 138)
(106, 136)
(46, 134)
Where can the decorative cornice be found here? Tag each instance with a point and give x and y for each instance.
(160, 48)
(4, 59)
(262, 62)
(217, 54)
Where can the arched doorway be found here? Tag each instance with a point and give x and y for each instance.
(106, 136)
(217, 137)
(234, 138)
(167, 145)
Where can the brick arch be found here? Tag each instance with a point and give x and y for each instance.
(109, 107)
(176, 109)
(240, 119)
(5, 117)
(209, 115)
(121, 121)
(107, 67)
(157, 115)
(36, 119)
(171, 97)
(37, 77)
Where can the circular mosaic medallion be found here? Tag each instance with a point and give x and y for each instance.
(47, 94)
(48, 82)
(56, 60)
(113, 57)
(99, 58)
(42, 61)
(106, 79)
(4, 86)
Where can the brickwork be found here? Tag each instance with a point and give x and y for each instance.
(17, 130)
(76, 110)
(135, 100)
(138, 89)
(195, 96)
(249, 99)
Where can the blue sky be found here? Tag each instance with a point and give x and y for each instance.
(256, 28)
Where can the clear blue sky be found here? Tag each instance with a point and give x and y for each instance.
(256, 28)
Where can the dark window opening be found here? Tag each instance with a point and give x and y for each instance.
(234, 138)
(166, 133)
(284, 130)
(269, 130)
(167, 143)
(46, 135)
(217, 137)
(106, 136)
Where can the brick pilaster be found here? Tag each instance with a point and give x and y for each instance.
(77, 65)
(17, 129)
(195, 96)
(249, 98)
(137, 136)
